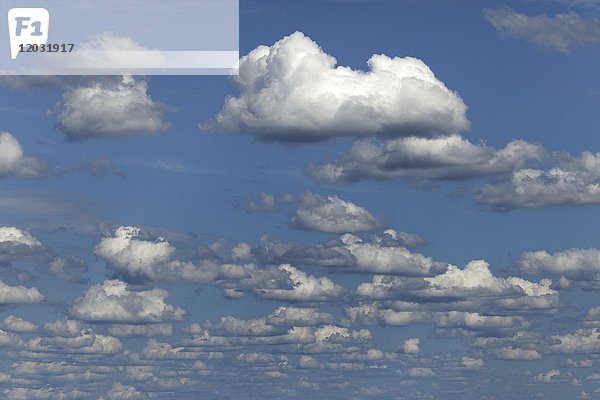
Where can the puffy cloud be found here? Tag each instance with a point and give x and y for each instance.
(332, 214)
(453, 321)
(70, 269)
(476, 277)
(571, 183)
(384, 253)
(298, 316)
(329, 214)
(372, 314)
(241, 327)
(21, 393)
(420, 372)
(488, 324)
(13, 162)
(259, 202)
(9, 339)
(584, 341)
(304, 288)
(113, 301)
(411, 346)
(16, 244)
(256, 357)
(19, 294)
(443, 158)
(156, 350)
(473, 287)
(109, 108)
(511, 353)
(127, 330)
(99, 167)
(16, 236)
(559, 32)
(472, 363)
(135, 258)
(579, 265)
(547, 376)
(295, 335)
(138, 259)
(65, 327)
(119, 391)
(293, 92)
(124, 249)
(85, 342)
(592, 317)
(16, 324)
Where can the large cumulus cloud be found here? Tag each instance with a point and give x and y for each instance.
(293, 91)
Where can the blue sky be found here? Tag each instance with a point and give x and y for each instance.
(412, 228)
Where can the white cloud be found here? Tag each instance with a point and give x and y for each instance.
(125, 249)
(293, 91)
(304, 287)
(477, 277)
(298, 316)
(385, 256)
(113, 301)
(65, 327)
(19, 294)
(13, 161)
(17, 244)
(9, 339)
(17, 236)
(472, 363)
(592, 317)
(21, 393)
(579, 265)
(474, 286)
(136, 258)
(585, 341)
(110, 108)
(511, 353)
(332, 214)
(242, 327)
(149, 330)
(420, 372)
(256, 357)
(547, 376)
(85, 342)
(384, 253)
(478, 322)
(443, 158)
(571, 183)
(16, 324)
(119, 391)
(559, 32)
(453, 321)
(260, 202)
(156, 350)
(411, 346)
(70, 269)
(372, 314)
